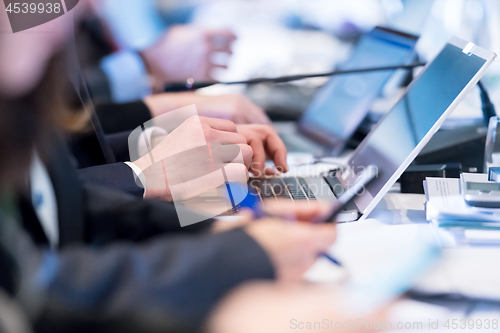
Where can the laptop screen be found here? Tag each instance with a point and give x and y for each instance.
(342, 104)
(395, 138)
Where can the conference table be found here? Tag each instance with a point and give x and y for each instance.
(459, 293)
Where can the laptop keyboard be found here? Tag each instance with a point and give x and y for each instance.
(294, 188)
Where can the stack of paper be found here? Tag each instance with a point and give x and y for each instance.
(446, 208)
(471, 241)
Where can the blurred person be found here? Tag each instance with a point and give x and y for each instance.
(104, 158)
(172, 54)
(77, 251)
(150, 54)
(235, 107)
(186, 52)
(103, 153)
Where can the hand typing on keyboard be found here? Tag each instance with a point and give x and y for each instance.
(265, 142)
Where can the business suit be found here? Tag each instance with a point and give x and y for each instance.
(118, 256)
(100, 156)
(117, 280)
(101, 152)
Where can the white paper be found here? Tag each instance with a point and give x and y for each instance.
(362, 246)
(446, 203)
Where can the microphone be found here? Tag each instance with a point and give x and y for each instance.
(486, 104)
(191, 84)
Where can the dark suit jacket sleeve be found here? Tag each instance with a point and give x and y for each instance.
(117, 176)
(98, 84)
(119, 145)
(122, 117)
(114, 216)
(92, 211)
(182, 277)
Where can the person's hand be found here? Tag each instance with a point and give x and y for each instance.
(185, 156)
(264, 142)
(292, 248)
(186, 51)
(234, 107)
(253, 141)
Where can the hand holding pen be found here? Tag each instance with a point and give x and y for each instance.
(309, 213)
(317, 212)
(293, 247)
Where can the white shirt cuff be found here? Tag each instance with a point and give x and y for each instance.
(150, 133)
(137, 173)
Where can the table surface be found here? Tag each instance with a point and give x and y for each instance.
(398, 220)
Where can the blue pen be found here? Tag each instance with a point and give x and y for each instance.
(331, 259)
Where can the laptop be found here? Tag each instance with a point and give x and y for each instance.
(398, 138)
(348, 98)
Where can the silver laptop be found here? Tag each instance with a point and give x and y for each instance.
(398, 138)
(348, 98)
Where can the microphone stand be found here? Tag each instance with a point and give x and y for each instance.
(190, 85)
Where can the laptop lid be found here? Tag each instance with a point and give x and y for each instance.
(398, 138)
(340, 106)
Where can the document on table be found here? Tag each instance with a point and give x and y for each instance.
(363, 246)
(446, 203)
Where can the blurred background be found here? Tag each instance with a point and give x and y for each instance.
(286, 37)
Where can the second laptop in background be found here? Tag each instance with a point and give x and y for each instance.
(340, 106)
